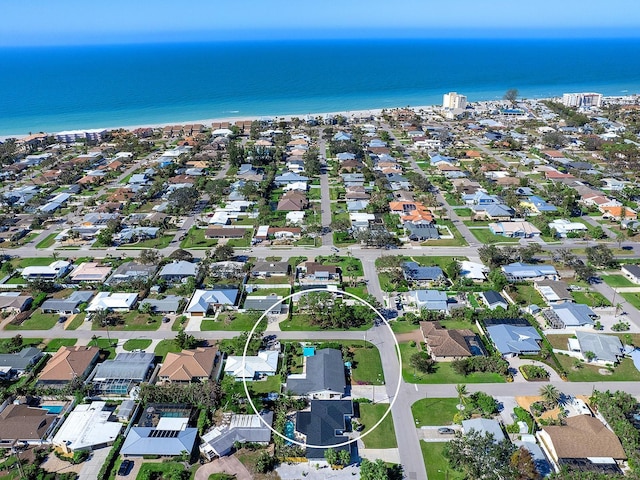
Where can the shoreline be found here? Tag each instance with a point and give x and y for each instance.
(286, 117)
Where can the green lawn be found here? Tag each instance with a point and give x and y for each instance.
(37, 321)
(195, 239)
(434, 411)
(367, 367)
(457, 240)
(161, 470)
(237, 322)
(159, 242)
(625, 371)
(443, 374)
(350, 266)
(360, 292)
(105, 344)
(268, 385)
(436, 463)
(136, 344)
(77, 321)
(593, 299)
(26, 342)
(402, 326)
(485, 237)
(134, 320)
(48, 241)
(166, 346)
(435, 261)
(463, 212)
(632, 298)
(55, 344)
(301, 323)
(384, 436)
(283, 292)
(527, 295)
(617, 281)
(33, 262)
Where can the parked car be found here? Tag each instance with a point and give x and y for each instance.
(627, 247)
(446, 431)
(125, 468)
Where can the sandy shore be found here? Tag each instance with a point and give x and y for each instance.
(207, 122)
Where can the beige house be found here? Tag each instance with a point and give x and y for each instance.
(67, 364)
(447, 345)
(190, 365)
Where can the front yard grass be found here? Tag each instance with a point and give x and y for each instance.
(270, 384)
(77, 321)
(443, 374)
(26, 342)
(617, 281)
(434, 411)
(525, 294)
(166, 346)
(37, 321)
(32, 262)
(235, 322)
(55, 344)
(437, 465)
(625, 371)
(134, 320)
(48, 241)
(632, 298)
(437, 261)
(303, 324)
(367, 367)
(592, 299)
(158, 242)
(384, 436)
(136, 344)
(485, 237)
(348, 265)
(360, 292)
(195, 239)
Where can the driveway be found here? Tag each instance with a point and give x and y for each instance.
(308, 471)
(229, 465)
(92, 466)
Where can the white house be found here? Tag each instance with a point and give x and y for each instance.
(263, 364)
(114, 302)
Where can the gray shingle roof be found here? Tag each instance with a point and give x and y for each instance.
(321, 423)
(324, 371)
(144, 441)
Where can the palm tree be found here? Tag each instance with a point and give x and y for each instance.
(461, 390)
(618, 309)
(550, 394)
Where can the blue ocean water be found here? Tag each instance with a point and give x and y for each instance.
(55, 88)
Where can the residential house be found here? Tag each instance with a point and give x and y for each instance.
(292, 201)
(584, 442)
(187, 366)
(67, 364)
(520, 272)
(421, 230)
(90, 272)
(112, 302)
(222, 232)
(493, 300)
(325, 424)
(411, 211)
(422, 275)
(361, 220)
(87, 427)
(12, 364)
(632, 272)
(23, 424)
(512, 340)
(272, 304)
(484, 426)
(204, 302)
(221, 440)
(167, 304)
(254, 367)
(499, 212)
(169, 438)
(537, 205)
(317, 275)
(356, 193)
(323, 376)
(69, 305)
(481, 198)
(432, 300)
(289, 177)
(514, 229)
(285, 232)
(473, 270)
(553, 291)
(131, 271)
(619, 213)
(446, 345)
(270, 269)
(53, 271)
(178, 271)
(564, 228)
(567, 315)
(13, 302)
(606, 348)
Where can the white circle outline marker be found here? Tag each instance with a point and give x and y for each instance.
(307, 445)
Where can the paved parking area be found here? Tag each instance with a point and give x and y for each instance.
(308, 471)
(92, 466)
(430, 433)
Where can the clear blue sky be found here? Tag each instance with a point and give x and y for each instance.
(53, 22)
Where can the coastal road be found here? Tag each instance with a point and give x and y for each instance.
(325, 199)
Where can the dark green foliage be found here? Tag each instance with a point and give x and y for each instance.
(492, 364)
(479, 456)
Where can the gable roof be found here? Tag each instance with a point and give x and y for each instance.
(20, 360)
(203, 299)
(181, 268)
(584, 436)
(484, 425)
(265, 362)
(241, 428)
(493, 298)
(153, 441)
(21, 422)
(189, 364)
(413, 271)
(574, 314)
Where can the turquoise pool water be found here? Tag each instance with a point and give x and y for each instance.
(53, 408)
(289, 431)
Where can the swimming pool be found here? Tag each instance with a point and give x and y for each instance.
(53, 408)
(289, 431)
